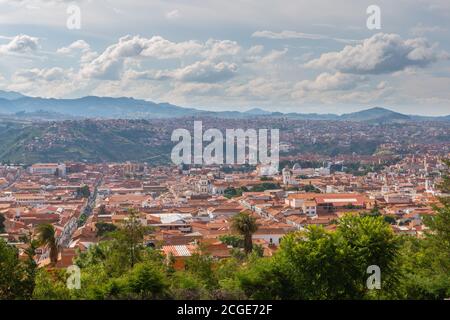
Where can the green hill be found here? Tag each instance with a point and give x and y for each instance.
(92, 141)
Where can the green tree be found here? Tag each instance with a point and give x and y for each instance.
(245, 224)
(232, 240)
(201, 266)
(30, 269)
(46, 237)
(147, 281)
(128, 240)
(83, 192)
(104, 228)
(51, 285)
(2, 223)
(372, 242)
(10, 274)
(320, 264)
(95, 254)
(266, 186)
(263, 279)
(310, 188)
(17, 278)
(187, 286)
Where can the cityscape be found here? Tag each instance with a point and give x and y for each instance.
(224, 151)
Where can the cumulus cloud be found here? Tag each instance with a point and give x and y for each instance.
(206, 71)
(35, 74)
(382, 53)
(109, 64)
(79, 45)
(45, 82)
(214, 49)
(21, 43)
(329, 82)
(336, 88)
(160, 48)
(200, 71)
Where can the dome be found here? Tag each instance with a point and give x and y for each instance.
(296, 167)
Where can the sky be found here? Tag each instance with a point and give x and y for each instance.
(279, 55)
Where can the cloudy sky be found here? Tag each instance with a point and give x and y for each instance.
(284, 55)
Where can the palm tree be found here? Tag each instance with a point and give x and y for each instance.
(245, 224)
(46, 236)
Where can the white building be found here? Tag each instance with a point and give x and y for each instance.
(48, 169)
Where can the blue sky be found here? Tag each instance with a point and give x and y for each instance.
(289, 56)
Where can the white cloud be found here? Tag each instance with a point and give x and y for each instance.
(288, 34)
(273, 56)
(35, 74)
(46, 82)
(110, 63)
(20, 44)
(331, 89)
(206, 71)
(329, 82)
(200, 71)
(214, 49)
(382, 53)
(173, 14)
(79, 45)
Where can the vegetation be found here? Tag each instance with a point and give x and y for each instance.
(232, 240)
(83, 192)
(311, 264)
(245, 224)
(102, 210)
(104, 228)
(2, 223)
(309, 188)
(16, 277)
(46, 237)
(234, 192)
(265, 186)
(84, 140)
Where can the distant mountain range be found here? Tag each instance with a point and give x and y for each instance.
(19, 106)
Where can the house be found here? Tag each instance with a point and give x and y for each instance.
(178, 254)
(316, 203)
(128, 200)
(225, 210)
(170, 221)
(48, 169)
(297, 221)
(273, 232)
